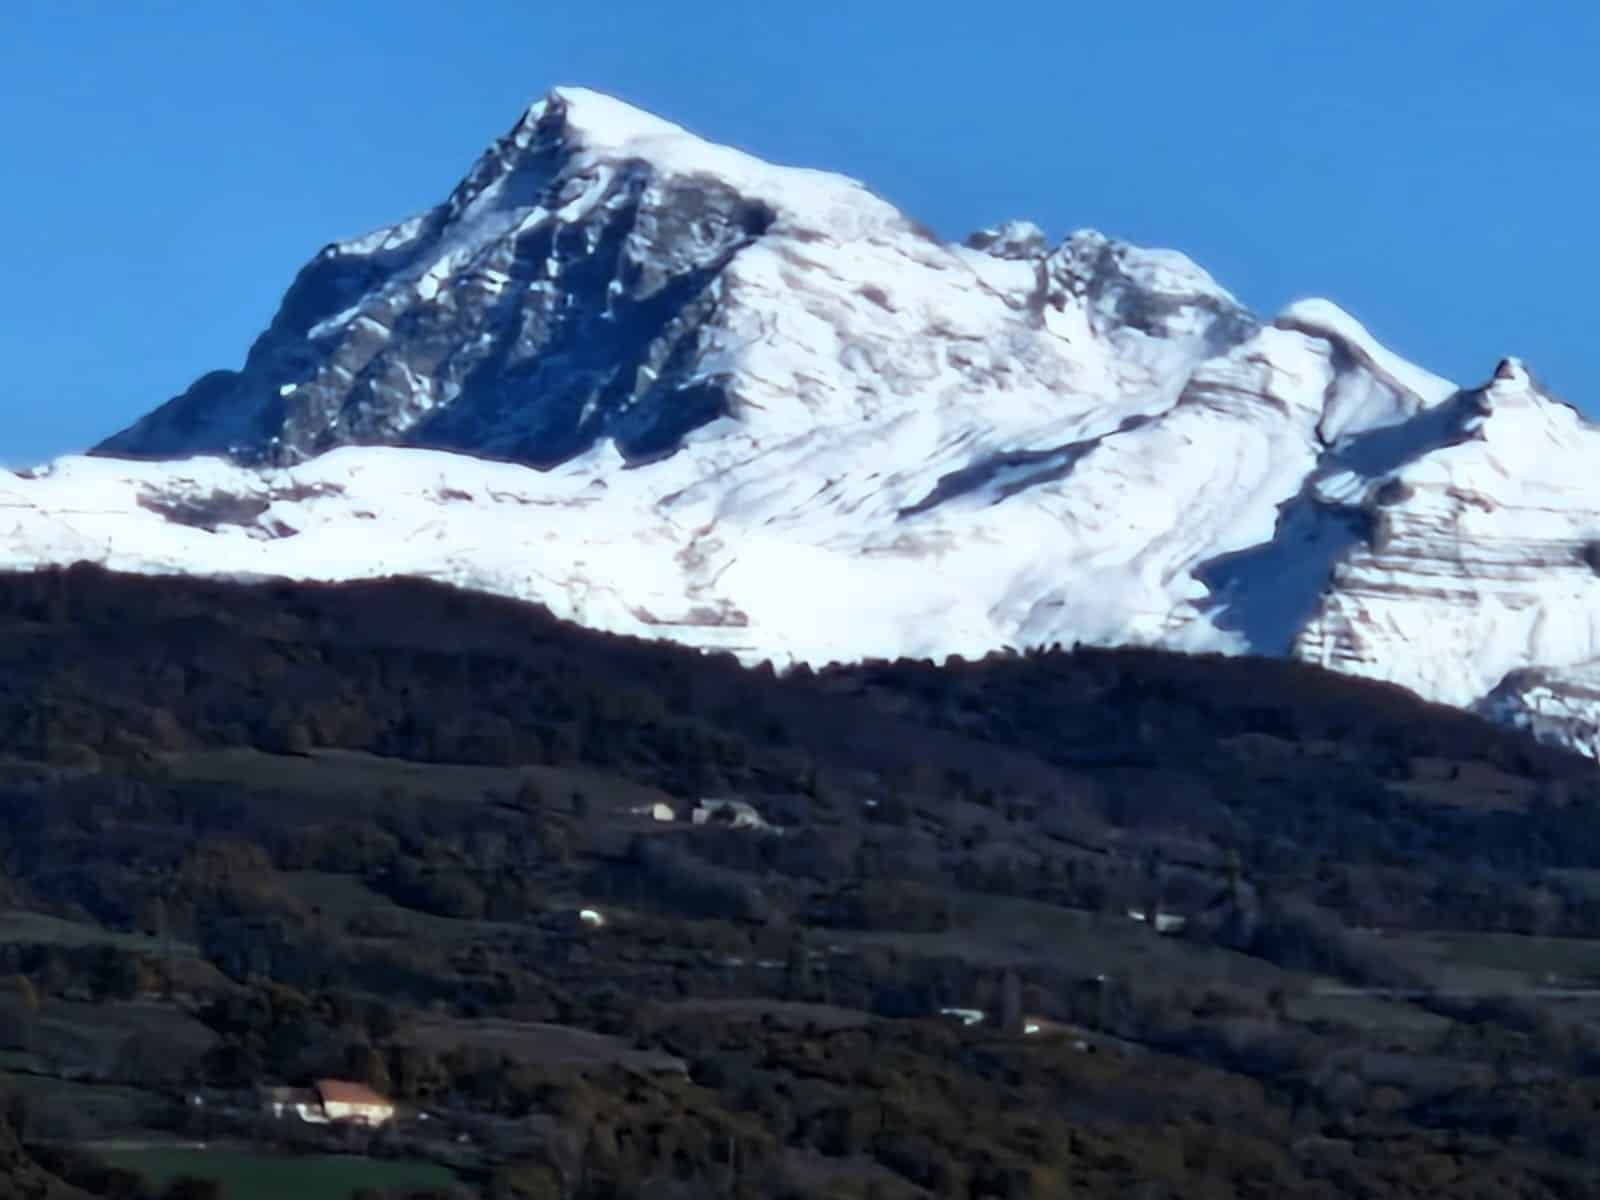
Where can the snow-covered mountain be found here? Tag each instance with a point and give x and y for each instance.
(665, 388)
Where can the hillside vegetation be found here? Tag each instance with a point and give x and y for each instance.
(266, 833)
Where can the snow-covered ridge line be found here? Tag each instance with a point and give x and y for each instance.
(610, 129)
(665, 388)
(1323, 318)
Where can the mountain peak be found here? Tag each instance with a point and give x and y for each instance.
(1513, 371)
(1523, 419)
(1010, 240)
(605, 124)
(599, 129)
(771, 414)
(602, 120)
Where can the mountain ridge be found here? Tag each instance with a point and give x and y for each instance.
(721, 380)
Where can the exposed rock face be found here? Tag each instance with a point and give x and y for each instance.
(1478, 563)
(1557, 705)
(757, 408)
(1010, 239)
(556, 297)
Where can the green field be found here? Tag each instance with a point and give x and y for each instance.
(252, 1175)
(38, 929)
(358, 782)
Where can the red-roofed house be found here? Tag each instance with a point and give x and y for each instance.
(329, 1101)
(356, 1102)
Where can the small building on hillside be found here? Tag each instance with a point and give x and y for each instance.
(736, 814)
(304, 1103)
(658, 811)
(1164, 922)
(328, 1102)
(966, 1016)
(354, 1102)
(1034, 1025)
(572, 922)
(1044, 1027)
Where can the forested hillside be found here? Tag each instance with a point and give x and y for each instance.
(1235, 926)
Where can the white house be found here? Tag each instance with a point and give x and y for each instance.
(967, 1016)
(329, 1101)
(280, 1102)
(656, 812)
(737, 814)
(1165, 922)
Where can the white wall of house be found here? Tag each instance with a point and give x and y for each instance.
(370, 1114)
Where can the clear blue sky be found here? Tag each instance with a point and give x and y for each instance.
(1429, 165)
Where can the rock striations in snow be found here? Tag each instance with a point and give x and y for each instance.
(665, 388)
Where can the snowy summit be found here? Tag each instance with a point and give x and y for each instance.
(665, 388)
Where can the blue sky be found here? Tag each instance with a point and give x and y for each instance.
(1428, 165)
